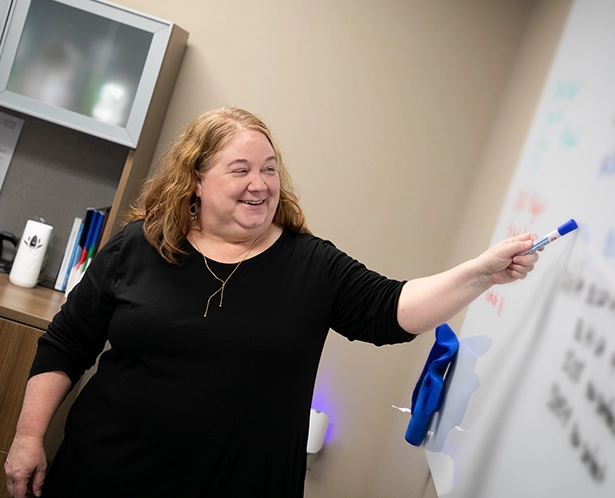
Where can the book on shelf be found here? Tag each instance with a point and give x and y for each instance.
(75, 232)
(83, 248)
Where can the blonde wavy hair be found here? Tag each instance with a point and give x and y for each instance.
(166, 198)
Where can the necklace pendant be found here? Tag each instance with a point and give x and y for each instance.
(223, 282)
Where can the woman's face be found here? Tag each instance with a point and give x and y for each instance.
(240, 192)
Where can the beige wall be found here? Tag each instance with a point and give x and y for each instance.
(400, 121)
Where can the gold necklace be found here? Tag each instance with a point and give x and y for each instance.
(223, 282)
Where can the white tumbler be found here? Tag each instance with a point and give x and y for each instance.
(31, 254)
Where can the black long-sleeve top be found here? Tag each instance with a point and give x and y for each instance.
(193, 406)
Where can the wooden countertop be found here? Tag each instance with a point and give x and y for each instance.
(35, 307)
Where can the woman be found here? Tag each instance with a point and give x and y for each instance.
(216, 301)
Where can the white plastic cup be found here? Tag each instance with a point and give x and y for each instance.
(319, 421)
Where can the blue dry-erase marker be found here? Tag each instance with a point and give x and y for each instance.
(567, 227)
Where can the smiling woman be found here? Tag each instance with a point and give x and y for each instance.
(216, 301)
(225, 160)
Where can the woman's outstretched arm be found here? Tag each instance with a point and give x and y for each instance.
(427, 302)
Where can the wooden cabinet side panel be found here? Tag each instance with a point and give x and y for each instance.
(18, 345)
(3, 491)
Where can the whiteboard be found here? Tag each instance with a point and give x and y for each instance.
(530, 406)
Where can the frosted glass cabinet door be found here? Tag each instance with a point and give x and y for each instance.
(85, 70)
(85, 64)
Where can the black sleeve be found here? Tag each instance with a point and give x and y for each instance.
(365, 307)
(78, 332)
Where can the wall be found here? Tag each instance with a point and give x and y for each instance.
(382, 110)
(481, 208)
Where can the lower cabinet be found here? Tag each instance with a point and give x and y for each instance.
(3, 491)
(17, 349)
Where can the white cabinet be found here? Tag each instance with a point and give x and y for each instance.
(86, 64)
(75, 152)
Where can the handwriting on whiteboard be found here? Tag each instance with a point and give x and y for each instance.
(530, 203)
(609, 244)
(497, 302)
(607, 166)
(558, 129)
(582, 399)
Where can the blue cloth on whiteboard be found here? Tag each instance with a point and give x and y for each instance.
(427, 396)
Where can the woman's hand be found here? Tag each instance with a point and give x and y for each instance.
(25, 466)
(502, 263)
